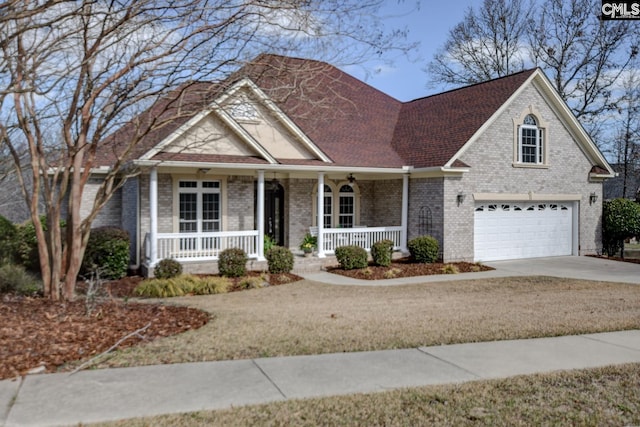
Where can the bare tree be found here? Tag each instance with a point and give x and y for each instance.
(626, 145)
(583, 56)
(72, 72)
(488, 43)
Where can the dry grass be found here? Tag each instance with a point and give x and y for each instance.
(596, 397)
(313, 318)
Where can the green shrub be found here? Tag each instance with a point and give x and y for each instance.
(424, 249)
(232, 262)
(269, 242)
(27, 244)
(107, 252)
(280, 260)
(381, 252)
(620, 220)
(8, 240)
(14, 278)
(167, 268)
(351, 257)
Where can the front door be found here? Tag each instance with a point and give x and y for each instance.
(274, 212)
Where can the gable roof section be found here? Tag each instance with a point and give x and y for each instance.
(156, 123)
(432, 130)
(347, 119)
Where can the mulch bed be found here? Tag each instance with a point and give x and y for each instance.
(404, 267)
(37, 332)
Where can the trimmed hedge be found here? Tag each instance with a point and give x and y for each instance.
(8, 240)
(424, 249)
(167, 268)
(107, 253)
(279, 259)
(351, 257)
(232, 262)
(381, 252)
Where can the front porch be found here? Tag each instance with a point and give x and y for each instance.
(194, 236)
(185, 247)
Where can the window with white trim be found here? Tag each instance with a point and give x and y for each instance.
(531, 141)
(346, 214)
(341, 205)
(328, 207)
(199, 206)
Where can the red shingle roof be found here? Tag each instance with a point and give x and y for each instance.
(431, 130)
(353, 123)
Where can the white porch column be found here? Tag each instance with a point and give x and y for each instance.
(321, 215)
(153, 217)
(405, 212)
(260, 202)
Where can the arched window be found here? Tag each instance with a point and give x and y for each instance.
(531, 141)
(341, 205)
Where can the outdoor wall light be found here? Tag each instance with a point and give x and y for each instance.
(593, 197)
(351, 179)
(460, 198)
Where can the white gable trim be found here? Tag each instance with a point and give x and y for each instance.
(215, 107)
(226, 118)
(541, 82)
(277, 112)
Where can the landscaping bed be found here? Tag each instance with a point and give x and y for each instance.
(405, 267)
(37, 333)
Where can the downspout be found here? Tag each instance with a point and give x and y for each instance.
(320, 203)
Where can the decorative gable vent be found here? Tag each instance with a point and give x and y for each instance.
(242, 109)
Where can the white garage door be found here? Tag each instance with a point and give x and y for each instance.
(522, 230)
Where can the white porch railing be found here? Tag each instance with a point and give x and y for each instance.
(364, 237)
(202, 246)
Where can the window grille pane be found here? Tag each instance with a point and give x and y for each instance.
(188, 184)
(346, 210)
(529, 145)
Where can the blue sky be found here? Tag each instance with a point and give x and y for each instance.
(430, 24)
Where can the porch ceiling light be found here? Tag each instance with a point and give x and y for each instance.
(203, 170)
(593, 197)
(460, 198)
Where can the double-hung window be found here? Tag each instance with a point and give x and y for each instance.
(346, 215)
(531, 142)
(199, 206)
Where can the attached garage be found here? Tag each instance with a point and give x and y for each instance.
(523, 230)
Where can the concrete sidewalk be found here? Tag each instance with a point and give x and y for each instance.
(112, 394)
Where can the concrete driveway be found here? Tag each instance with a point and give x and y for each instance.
(576, 267)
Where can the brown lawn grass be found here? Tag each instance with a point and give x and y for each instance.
(313, 318)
